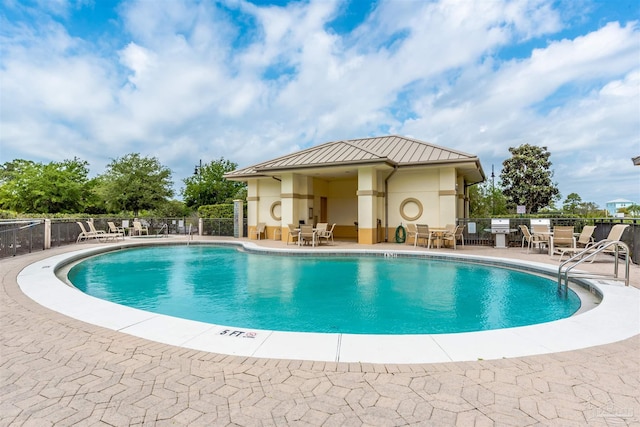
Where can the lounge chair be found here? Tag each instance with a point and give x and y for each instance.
(585, 240)
(532, 241)
(260, 230)
(103, 234)
(86, 235)
(411, 232)
(422, 232)
(615, 235)
(138, 228)
(113, 228)
(562, 237)
(327, 234)
(306, 234)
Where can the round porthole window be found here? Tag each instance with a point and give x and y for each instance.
(275, 211)
(411, 209)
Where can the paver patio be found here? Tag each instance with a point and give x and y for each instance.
(55, 370)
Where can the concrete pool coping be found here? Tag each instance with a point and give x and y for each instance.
(614, 319)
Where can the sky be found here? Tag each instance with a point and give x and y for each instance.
(249, 81)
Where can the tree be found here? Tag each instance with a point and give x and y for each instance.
(26, 186)
(572, 204)
(485, 200)
(526, 178)
(590, 210)
(631, 210)
(132, 183)
(208, 186)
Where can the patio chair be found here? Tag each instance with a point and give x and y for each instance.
(327, 234)
(261, 229)
(460, 234)
(562, 237)
(541, 232)
(321, 228)
(292, 233)
(422, 232)
(450, 235)
(138, 228)
(532, 241)
(307, 234)
(411, 232)
(585, 240)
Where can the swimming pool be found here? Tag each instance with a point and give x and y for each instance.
(331, 294)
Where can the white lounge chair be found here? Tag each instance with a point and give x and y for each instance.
(103, 234)
(138, 228)
(86, 234)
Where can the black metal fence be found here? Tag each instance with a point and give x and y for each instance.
(20, 237)
(25, 236)
(482, 235)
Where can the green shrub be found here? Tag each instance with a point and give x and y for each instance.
(4, 214)
(218, 211)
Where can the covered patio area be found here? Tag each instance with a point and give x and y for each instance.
(367, 187)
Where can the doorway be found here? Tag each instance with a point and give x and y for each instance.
(323, 209)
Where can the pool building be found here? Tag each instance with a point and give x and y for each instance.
(366, 186)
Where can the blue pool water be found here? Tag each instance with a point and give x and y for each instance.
(362, 295)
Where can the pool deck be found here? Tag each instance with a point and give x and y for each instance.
(56, 370)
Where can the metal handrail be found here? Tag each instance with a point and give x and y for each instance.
(32, 224)
(164, 227)
(591, 252)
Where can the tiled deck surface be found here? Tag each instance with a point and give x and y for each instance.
(55, 370)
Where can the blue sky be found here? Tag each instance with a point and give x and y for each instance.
(250, 81)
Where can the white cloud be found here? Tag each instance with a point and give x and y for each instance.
(191, 80)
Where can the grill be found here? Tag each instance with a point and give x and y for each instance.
(500, 228)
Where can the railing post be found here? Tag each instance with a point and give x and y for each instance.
(47, 234)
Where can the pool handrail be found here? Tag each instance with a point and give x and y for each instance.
(590, 253)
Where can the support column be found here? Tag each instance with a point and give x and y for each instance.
(367, 205)
(288, 204)
(252, 206)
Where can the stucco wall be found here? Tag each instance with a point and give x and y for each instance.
(429, 187)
